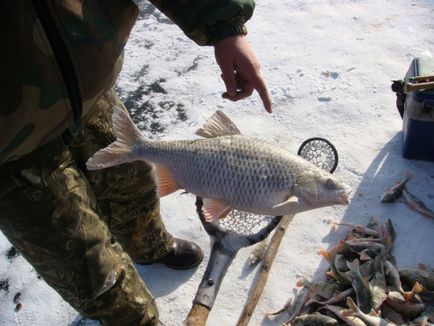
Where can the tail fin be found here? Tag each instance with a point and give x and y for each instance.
(353, 307)
(417, 288)
(121, 150)
(354, 266)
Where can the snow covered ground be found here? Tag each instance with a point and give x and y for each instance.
(328, 65)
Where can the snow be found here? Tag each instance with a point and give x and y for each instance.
(329, 66)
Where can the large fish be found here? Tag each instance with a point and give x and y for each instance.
(228, 170)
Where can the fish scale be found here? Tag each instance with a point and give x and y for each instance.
(227, 169)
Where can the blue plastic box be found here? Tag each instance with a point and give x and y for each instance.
(418, 118)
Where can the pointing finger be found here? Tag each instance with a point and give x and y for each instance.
(261, 88)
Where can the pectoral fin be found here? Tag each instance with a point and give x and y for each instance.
(166, 184)
(215, 208)
(289, 206)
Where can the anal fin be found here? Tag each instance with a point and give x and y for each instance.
(215, 208)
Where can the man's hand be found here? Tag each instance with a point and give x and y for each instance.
(240, 70)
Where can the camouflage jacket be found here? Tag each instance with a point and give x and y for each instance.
(60, 56)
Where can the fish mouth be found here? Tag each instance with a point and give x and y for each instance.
(344, 199)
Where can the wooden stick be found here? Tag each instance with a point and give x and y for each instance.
(197, 316)
(267, 262)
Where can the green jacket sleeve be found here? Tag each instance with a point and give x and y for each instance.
(208, 21)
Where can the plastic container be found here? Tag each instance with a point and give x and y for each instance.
(418, 117)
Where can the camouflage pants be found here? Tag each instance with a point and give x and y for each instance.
(73, 225)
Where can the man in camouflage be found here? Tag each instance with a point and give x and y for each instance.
(82, 230)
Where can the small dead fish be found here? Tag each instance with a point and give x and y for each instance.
(315, 319)
(388, 234)
(287, 305)
(344, 315)
(330, 257)
(360, 229)
(417, 204)
(293, 307)
(409, 309)
(336, 298)
(395, 191)
(351, 237)
(299, 303)
(392, 277)
(378, 289)
(361, 287)
(321, 288)
(341, 265)
(354, 246)
(258, 252)
(370, 320)
(411, 276)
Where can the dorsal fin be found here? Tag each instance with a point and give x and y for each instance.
(217, 125)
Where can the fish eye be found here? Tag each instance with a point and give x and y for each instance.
(331, 184)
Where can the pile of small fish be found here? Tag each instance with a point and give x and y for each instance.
(363, 286)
